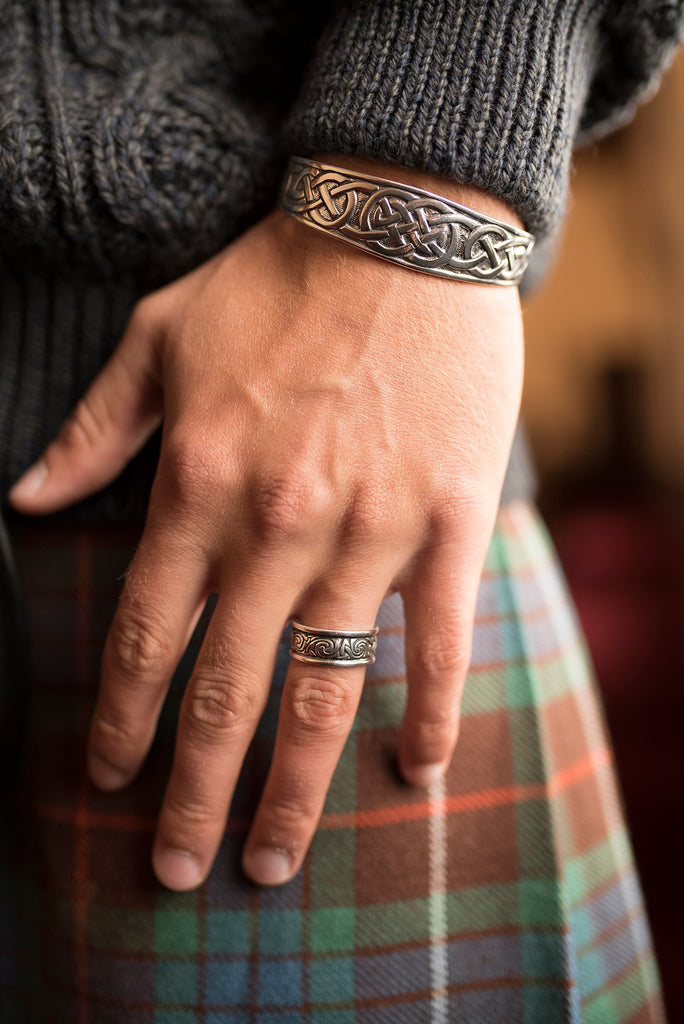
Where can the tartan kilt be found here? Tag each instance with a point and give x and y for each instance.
(506, 893)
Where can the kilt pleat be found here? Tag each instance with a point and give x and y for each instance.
(505, 893)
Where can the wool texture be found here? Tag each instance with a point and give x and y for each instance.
(137, 139)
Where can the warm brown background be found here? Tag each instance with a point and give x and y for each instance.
(604, 406)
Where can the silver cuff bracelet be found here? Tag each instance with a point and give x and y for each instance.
(404, 224)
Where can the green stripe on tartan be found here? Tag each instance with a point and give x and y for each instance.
(528, 552)
(529, 763)
(341, 796)
(589, 871)
(392, 923)
(228, 931)
(543, 1004)
(540, 855)
(626, 996)
(332, 878)
(485, 691)
(564, 672)
(279, 931)
(177, 982)
(334, 930)
(481, 908)
(335, 975)
(176, 931)
(333, 1017)
(491, 906)
(381, 707)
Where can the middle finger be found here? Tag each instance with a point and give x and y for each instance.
(223, 702)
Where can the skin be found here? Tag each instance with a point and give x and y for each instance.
(335, 428)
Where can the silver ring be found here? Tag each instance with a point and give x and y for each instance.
(343, 648)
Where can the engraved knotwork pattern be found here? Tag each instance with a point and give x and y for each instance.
(406, 225)
(322, 646)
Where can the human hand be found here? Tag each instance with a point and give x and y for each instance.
(335, 429)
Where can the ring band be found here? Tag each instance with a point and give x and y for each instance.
(343, 648)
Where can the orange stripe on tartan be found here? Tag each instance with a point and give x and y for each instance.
(481, 800)
(484, 799)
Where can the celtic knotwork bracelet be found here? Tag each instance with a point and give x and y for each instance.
(404, 224)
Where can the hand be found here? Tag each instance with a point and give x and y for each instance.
(336, 428)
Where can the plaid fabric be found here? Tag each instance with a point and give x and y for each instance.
(507, 893)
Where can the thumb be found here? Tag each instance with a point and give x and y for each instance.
(118, 413)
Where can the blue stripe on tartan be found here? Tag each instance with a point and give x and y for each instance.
(588, 922)
(493, 641)
(487, 958)
(177, 982)
(388, 974)
(279, 982)
(227, 981)
(332, 980)
(597, 967)
(224, 1017)
(545, 955)
(227, 931)
(496, 1005)
(279, 1018)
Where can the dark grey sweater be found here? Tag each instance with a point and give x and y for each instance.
(138, 137)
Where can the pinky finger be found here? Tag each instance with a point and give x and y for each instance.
(439, 601)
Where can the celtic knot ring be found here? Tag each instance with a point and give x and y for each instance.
(406, 225)
(343, 648)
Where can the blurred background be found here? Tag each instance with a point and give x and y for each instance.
(604, 408)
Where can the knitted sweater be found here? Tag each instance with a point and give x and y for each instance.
(137, 138)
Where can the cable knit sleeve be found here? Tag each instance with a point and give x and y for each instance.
(492, 93)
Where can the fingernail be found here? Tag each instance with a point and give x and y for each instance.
(176, 869)
(105, 775)
(423, 774)
(268, 866)
(32, 480)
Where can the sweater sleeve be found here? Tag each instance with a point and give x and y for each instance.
(492, 93)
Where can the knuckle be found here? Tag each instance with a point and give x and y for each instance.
(289, 816)
(217, 708)
(435, 727)
(441, 656)
(370, 517)
(191, 475)
(320, 703)
(186, 810)
(459, 507)
(113, 735)
(287, 508)
(138, 644)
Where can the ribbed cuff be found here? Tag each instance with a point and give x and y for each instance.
(56, 332)
(490, 94)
